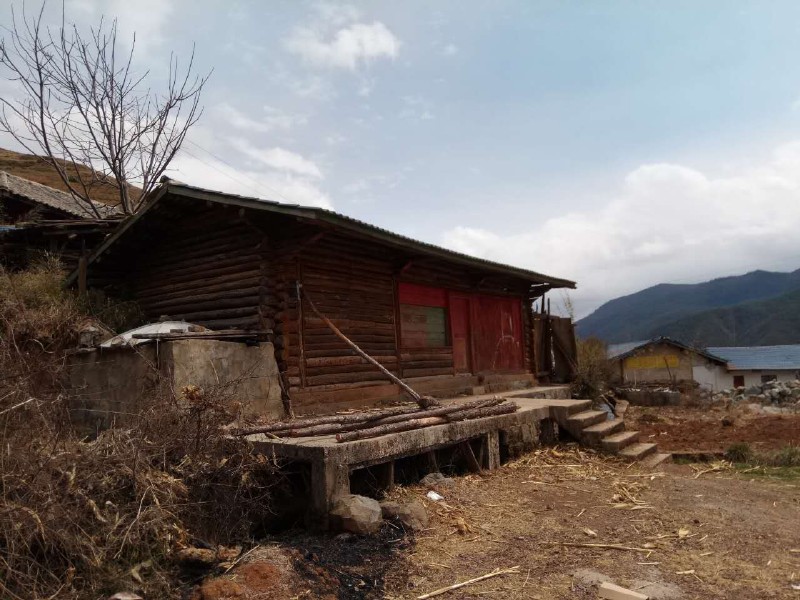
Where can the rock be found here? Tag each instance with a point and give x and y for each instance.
(356, 514)
(125, 596)
(413, 515)
(658, 590)
(589, 578)
(437, 480)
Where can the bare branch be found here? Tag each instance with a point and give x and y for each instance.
(83, 104)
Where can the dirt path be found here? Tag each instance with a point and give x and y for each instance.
(716, 536)
(695, 535)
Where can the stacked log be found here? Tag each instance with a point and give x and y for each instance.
(368, 424)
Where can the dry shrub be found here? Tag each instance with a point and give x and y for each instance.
(81, 518)
(594, 369)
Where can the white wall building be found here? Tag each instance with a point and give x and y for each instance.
(753, 365)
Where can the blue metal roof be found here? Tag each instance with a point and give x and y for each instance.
(748, 358)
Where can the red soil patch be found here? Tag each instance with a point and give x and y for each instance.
(712, 430)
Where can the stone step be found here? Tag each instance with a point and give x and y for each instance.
(594, 433)
(562, 411)
(586, 418)
(638, 451)
(618, 441)
(654, 460)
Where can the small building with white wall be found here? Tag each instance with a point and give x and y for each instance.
(753, 365)
(663, 360)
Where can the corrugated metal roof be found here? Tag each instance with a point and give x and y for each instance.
(172, 187)
(620, 350)
(43, 194)
(748, 358)
(615, 350)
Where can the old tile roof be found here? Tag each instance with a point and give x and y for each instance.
(747, 358)
(42, 194)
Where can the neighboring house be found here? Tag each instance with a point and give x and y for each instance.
(36, 218)
(754, 365)
(664, 360)
(437, 318)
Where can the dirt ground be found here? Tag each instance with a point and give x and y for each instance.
(683, 429)
(687, 532)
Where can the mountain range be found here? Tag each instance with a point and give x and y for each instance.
(754, 309)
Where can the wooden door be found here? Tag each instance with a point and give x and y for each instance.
(459, 331)
(497, 329)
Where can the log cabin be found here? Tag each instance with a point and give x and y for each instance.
(446, 322)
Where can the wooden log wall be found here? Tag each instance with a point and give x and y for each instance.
(352, 284)
(216, 277)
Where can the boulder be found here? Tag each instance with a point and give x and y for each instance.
(412, 514)
(437, 481)
(356, 514)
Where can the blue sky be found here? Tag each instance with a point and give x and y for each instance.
(621, 144)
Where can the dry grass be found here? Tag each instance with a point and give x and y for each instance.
(80, 518)
(36, 169)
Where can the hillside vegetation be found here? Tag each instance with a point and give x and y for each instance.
(756, 308)
(36, 169)
(762, 323)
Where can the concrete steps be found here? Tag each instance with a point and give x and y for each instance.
(638, 451)
(659, 458)
(594, 433)
(586, 419)
(592, 428)
(619, 441)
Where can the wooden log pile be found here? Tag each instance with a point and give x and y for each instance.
(368, 424)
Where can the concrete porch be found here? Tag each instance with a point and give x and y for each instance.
(333, 466)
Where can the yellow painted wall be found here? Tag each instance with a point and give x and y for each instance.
(657, 363)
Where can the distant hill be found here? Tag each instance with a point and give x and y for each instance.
(702, 312)
(760, 323)
(35, 169)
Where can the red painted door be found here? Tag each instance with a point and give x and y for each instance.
(459, 331)
(497, 331)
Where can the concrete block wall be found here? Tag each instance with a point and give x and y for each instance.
(109, 386)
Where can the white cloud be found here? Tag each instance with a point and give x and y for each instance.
(416, 108)
(272, 119)
(146, 18)
(210, 173)
(668, 223)
(278, 159)
(450, 50)
(347, 47)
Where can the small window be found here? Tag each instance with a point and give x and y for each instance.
(423, 316)
(768, 378)
(738, 381)
(423, 326)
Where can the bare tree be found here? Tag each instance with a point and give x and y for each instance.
(83, 104)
